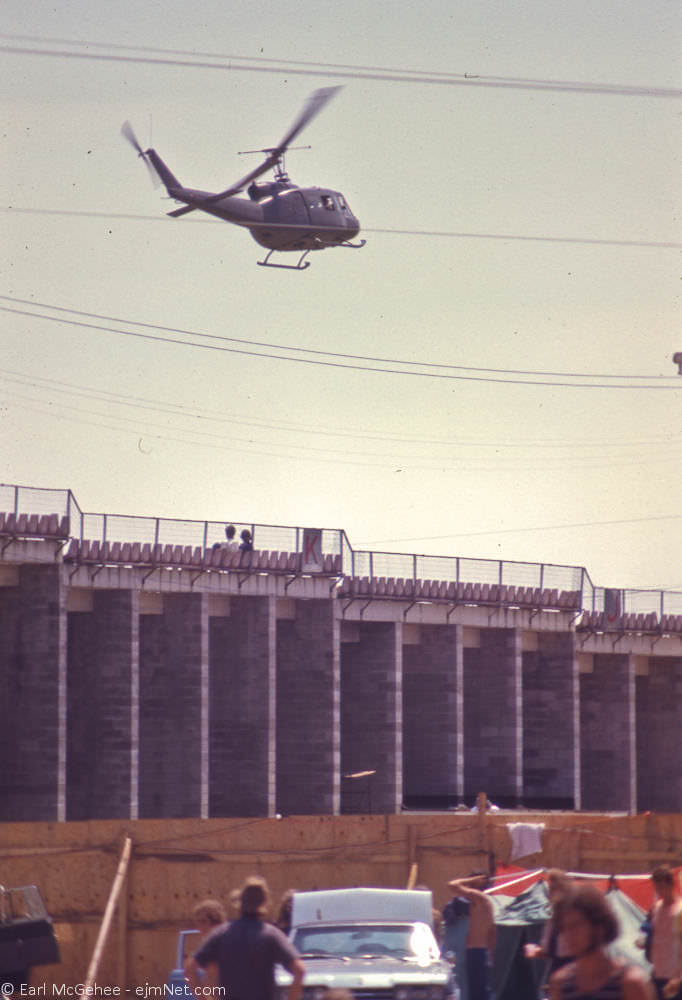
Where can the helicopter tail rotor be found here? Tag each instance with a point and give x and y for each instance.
(128, 134)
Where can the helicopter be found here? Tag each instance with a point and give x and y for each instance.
(280, 215)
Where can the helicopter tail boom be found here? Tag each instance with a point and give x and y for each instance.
(170, 181)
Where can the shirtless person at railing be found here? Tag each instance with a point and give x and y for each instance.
(481, 936)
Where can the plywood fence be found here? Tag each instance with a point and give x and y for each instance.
(176, 863)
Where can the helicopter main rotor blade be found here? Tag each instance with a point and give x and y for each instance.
(311, 108)
(127, 133)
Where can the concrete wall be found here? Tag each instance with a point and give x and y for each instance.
(173, 679)
(241, 709)
(659, 735)
(371, 719)
(432, 722)
(122, 701)
(32, 694)
(548, 720)
(102, 648)
(605, 733)
(491, 716)
(308, 710)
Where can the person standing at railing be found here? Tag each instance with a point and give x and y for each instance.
(247, 541)
(229, 543)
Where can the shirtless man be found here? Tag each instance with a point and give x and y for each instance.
(480, 942)
(666, 939)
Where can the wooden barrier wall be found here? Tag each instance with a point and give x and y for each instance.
(176, 863)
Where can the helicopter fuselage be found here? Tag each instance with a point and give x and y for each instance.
(282, 216)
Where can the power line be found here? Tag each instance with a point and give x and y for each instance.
(442, 233)
(216, 416)
(590, 241)
(515, 531)
(315, 361)
(327, 364)
(231, 56)
(248, 64)
(195, 437)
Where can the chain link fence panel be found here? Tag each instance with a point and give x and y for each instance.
(358, 563)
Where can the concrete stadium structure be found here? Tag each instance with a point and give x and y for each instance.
(145, 674)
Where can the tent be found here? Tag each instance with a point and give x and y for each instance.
(521, 918)
(512, 880)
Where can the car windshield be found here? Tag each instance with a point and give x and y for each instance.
(401, 941)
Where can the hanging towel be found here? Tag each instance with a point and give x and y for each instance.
(525, 838)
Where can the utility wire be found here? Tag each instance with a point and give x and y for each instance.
(289, 427)
(442, 233)
(196, 437)
(335, 70)
(515, 531)
(396, 463)
(279, 347)
(330, 364)
(390, 460)
(231, 56)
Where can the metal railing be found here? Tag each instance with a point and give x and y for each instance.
(456, 569)
(359, 563)
(636, 602)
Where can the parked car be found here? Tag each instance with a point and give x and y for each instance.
(376, 943)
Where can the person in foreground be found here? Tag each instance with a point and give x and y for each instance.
(481, 934)
(589, 925)
(666, 936)
(241, 956)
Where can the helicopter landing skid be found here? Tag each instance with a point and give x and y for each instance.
(354, 246)
(299, 266)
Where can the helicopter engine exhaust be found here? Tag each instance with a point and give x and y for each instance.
(257, 192)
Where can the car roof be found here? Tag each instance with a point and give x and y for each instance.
(362, 905)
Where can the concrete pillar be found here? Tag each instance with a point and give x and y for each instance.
(33, 695)
(308, 705)
(242, 709)
(605, 732)
(548, 720)
(103, 652)
(492, 722)
(173, 778)
(577, 736)
(632, 733)
(659, 725)
(431, 727)
(371, 719)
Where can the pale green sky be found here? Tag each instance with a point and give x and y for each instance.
(403, 463)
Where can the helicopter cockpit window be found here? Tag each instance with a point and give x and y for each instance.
(328, 202)
(342, 203)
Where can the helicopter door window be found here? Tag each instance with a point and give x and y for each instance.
(328, 202)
